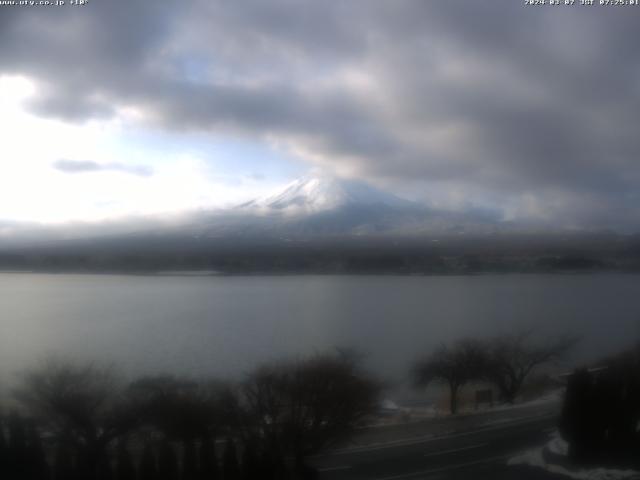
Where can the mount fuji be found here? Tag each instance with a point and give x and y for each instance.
(320, 206)
(315, 224)
(309, 195)
(308, 209)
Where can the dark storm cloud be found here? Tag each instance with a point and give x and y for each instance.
(533, 109)
(84, 166)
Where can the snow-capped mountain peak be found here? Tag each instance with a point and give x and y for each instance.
(317, 194)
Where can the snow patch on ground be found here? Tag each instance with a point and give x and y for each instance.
(558, 445)
(536, 458)
(554, 396)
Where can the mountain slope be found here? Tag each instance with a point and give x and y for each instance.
(314, 206)
(311, 208)
(318, 194)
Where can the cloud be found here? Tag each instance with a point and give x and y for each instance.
(512, 106)
(255, 177)
(84, 166)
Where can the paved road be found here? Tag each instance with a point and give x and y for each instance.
(476, 454)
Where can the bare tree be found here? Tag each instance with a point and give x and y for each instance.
(125, 469)
(182, 409)
(510, 359)
(3, 448)
(300, 408)
(80, 405)
(187, 411)
(453, 365)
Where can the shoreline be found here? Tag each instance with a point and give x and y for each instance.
(271, 273)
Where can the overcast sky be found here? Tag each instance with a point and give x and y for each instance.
(126, 107)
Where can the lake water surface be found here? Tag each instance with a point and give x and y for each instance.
(223, 326)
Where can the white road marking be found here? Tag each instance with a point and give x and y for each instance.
(453, 450)
(333, 469)
(433, 438)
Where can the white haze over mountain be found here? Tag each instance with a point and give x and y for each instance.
(309, 206)
(317, 205)
(311, 194)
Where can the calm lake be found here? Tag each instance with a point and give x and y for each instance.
(223, 326)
